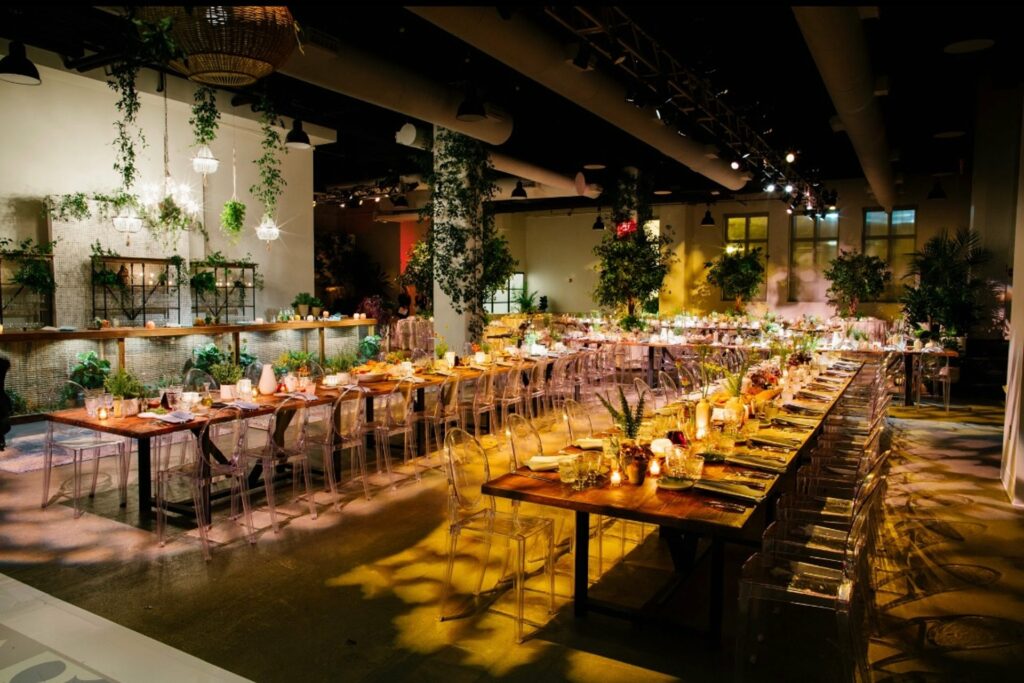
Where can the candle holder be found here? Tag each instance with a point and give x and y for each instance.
(102, 413)
(616, 479)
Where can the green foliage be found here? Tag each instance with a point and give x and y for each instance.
(232, 218)
(632, 323)
(205, 117)
(738, 274)
(627, 419)
(124, 383)
(526, 299)
(33, 272)
(208, 355)
(419, 273)
(440, 347)
(128, 132)
(203, 282)
(67, 207)
(369, 347)
(18, 403)
(272, 182)
(307, 299)
(949, 291)
(855, 277)
(734, 380)
(463, 235)
(342, 362)
(90, 371)
(226, 372)
(632, 268)
(290, 361)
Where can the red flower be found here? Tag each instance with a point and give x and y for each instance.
(625, 228)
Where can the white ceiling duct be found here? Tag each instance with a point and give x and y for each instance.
(342, 68)
(527, 49)
(413, 136)
(533, 190)
(836, 40)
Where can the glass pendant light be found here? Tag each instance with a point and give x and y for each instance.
(267, 230)
(204, 162)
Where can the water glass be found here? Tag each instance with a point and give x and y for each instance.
(92, 405)
(568, 470)
(693, 466)
(174, 396)
(108, 402)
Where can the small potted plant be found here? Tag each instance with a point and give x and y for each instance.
(303, 301)
(628, 420)
(127, 389)
(227, 375)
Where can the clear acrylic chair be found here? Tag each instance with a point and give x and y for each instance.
(482, 403)
(511, 394)
(524, 441)
(535, 392)
(199, 380)
(643, 390)
(285, 444)
(225, 432)
(445, 411)
(344, 431)
(472, 512)
(667, 387)
(396, 419)
(80, 443)
(577, 421)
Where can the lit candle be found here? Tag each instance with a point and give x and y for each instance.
(255, 392)
(616, 479)
(102, 413)
(655, 469)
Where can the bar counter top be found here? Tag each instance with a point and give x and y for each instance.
(131, 332)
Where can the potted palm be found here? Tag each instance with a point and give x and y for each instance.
(303, 301)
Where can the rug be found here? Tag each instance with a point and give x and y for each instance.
(25, 454)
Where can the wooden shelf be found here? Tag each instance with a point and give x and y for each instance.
(133, 332)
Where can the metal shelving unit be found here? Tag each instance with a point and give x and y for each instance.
(146, 289)
(20, 307)
(233, 299)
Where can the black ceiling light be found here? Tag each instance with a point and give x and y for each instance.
(472, 108)
(598, 223)
(297, 138)
(708, 221)
(16, 67)
(937, 192)
(519, 192)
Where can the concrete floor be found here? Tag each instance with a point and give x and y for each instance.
(354, 595)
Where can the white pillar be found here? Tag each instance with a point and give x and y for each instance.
(1012, 470)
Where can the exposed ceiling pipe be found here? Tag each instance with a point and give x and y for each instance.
(836, 40)
(526, 48)
(534, 190)
(413, 136)
(347, 70)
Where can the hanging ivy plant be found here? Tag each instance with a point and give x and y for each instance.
(419, 273)
(128, 132)
(476, 258)
(232, 218)
(203, 282)
(205, 117)
(33, 272)
(69, 207)
(272, 182)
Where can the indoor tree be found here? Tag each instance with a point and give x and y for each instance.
(738, 274)
(855, 277)
(633, 260)
(419, 273)
(949, 291)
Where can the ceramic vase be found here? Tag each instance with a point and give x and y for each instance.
(268, 382)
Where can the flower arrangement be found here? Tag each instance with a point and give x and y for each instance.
(626, 418)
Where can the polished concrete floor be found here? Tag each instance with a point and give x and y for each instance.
(355, 595)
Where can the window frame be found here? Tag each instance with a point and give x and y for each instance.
(889, 238)
(747, 243)
(816, 241)
(510, 293)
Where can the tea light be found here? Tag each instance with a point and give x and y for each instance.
(102, 413)
(616, 479)
(655, 467)
(255, 393)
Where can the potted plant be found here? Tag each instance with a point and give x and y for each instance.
(302, 303)
(227, 375)
(855, 277)
(203, 282)
(127, 390)
(232, 218)
(738, 274)
(90, 371)
(628, 420)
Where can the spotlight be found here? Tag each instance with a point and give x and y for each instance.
(746, 155)
(618, 56)
(297, 138)
(789, 210)
(376, 200)
(788, 189)
(636, 98)
(16, 67)
(735, 165)
(598, 223)
(708, 221)
(360, 201)
(770, 187)
(471, 109)
(519, 192)
(790, 157)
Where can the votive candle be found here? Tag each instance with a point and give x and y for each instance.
(655, 468)
(102, 413)
(616, 479)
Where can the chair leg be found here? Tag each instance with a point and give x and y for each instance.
(95, 471)
(268, 485)
(360, 452)
(47, 469)
(124, 460)
(201, 521)
(161, 512)
(243, 492)
(76, 485)
(328, 455)
(453, 542)
(520, 577)
(307, 475)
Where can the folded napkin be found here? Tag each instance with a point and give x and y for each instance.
(506, 364)
(805, 407)
(541, 463)
(809, 422)
(814, 395)
(589, 444)
(446, 373)
(776, 440)
(302, 396)
(245, 405)
(177, 417)
(735, 489)
(478, 367)
(749, 459)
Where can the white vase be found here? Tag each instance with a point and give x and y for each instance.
(268, 382)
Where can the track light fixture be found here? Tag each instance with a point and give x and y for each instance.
(519, 192)
(708, 221)
(17, 68)
(735, 165)
(770, 187)
(788, 189)
(598, 223)
(297, 138)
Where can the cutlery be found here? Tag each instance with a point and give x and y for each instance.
(753, 475)
(534, 476)
(756, 485)
(728, 507)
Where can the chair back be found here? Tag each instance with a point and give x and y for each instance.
(349, 413)
(199, 380)
(577, 419)
(224, 430)
(398, 405)
(483, 394)
(288, 425)
(68, 395)
(668, 386)
(538, 376)
(513, 382)
(467, 469)
(643, 388)
(447, 404)
(523, 440)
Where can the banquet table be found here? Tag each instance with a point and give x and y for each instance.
(685, 517)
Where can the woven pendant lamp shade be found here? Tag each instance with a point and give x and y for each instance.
(228, 45)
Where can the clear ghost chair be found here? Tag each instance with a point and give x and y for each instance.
(397, 420)
(445, 411)
(482, 403)
(577, 421)
(535, 393)
(472, 512)
(667, 387)
(511, 393)
(343, 431)
(199, 380)
(80, 443)
(523, 440)
(643, 390)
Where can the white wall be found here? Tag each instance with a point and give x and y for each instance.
(56, 138)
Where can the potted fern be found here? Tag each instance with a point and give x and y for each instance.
(127, 389)
(634, 459)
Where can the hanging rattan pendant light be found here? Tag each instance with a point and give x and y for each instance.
(228, 45)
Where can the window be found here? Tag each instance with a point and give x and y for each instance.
(743, 233)
(813, 243)
(892, 238)
(506, 299)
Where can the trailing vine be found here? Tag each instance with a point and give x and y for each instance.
(33, 272)
(272, 182)
(463, 237)
(205, 117)
(128, 132)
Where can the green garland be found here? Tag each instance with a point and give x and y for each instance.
(128, 132)
(272, 182)
(204, 115)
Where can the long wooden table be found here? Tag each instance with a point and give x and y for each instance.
(144, 430)
(684, 516)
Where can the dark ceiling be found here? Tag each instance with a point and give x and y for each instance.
(755, 53)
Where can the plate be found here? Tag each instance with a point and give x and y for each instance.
(371, 377)
(672, 484)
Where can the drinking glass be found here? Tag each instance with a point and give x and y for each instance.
(592, 460)
(174, 396)
(568, 470)
(108, 402)
(92, 405)
(693, 466)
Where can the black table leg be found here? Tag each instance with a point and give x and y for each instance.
(421, 428)
(717, 586)
(908, 379)
(682, 547)
(650, 365)
(581, 570)
(145, 482)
